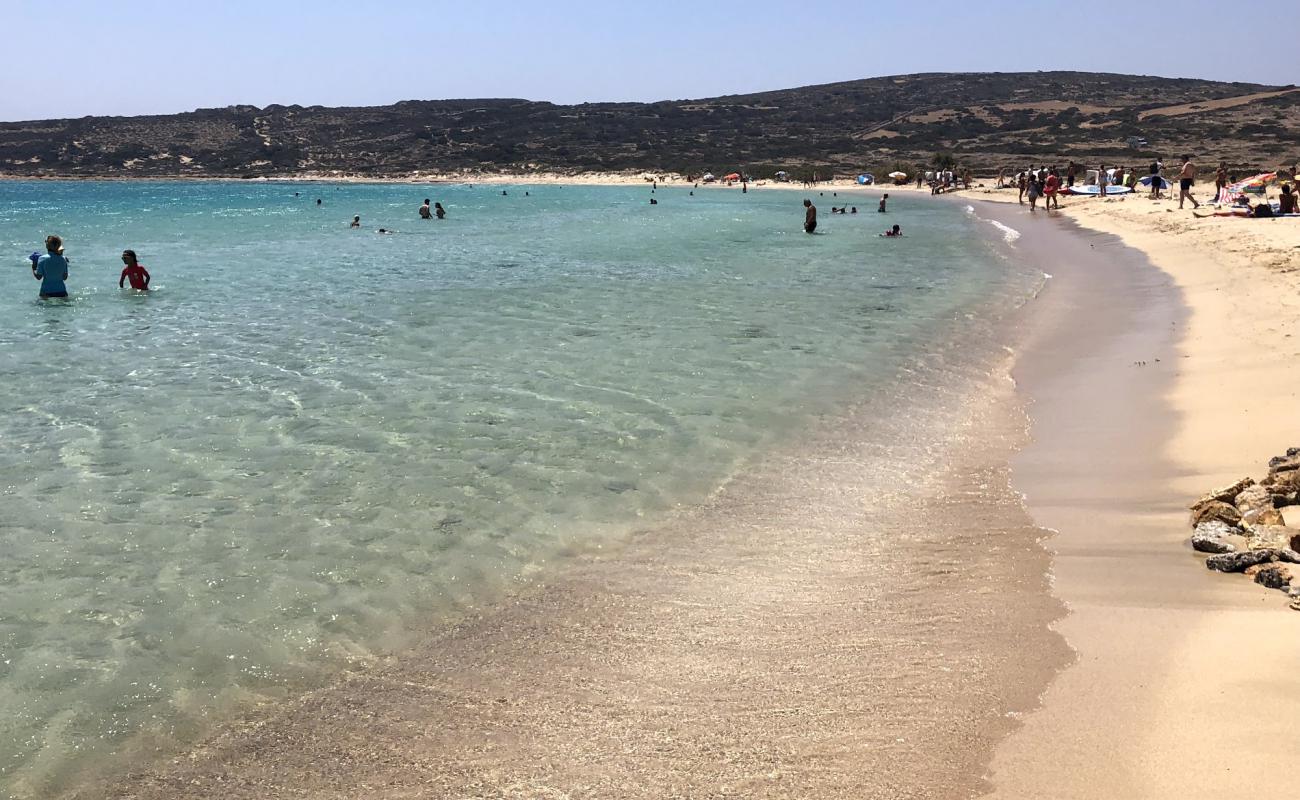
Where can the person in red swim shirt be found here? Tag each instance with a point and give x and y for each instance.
(138, 275)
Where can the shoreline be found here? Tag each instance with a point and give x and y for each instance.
(1170, 656)
(829, 622)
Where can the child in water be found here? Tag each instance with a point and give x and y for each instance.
(134, 271)
(892, 232)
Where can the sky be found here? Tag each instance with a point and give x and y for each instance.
(126, 57)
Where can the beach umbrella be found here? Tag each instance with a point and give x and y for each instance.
(866, 178)
(735, 176)
(897, 174)
(1145, 180)
(1253, 185)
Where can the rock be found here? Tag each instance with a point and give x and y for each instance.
(1273, 577)
(1294, 542)
(1204, 543)
(1269, 537)
(1238, 562)
(1265, 516)
(1286, 463)
(1289, 555)
(1282, 482)
(1224, 495)
(1256, 506)
(1217, 510)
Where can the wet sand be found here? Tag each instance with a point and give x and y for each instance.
(864, 613)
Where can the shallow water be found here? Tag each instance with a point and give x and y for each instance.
(310, 439)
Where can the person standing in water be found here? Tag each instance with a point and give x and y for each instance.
(425, 211)
(439, 211)
(809, 217)
(883, 200)
(51, 269)
(134, 271)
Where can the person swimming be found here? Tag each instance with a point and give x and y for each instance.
(51, 269)
(356, 222)
(134, 271)
(892, 232)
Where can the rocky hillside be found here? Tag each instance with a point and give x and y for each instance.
(987, 120)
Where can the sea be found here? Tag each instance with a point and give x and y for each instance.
(311, 444)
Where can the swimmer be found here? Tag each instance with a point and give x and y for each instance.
(134, 271)
(809, 217)
(356, 222)
(425, 211)
(385, 231)
(439, 211)
(51, 269)
(503, 192)
(892, 232)
(854, 211)
(654, 202)
(317, 201)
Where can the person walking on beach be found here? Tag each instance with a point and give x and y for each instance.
(1187, 177)
(425, 211)
(1022, 183)
(134, 271)
(1221, 183)
(1156, 180)
(1033, 189)
(51, 269)
(1070, 172)
(1050, 188)
(809, 217)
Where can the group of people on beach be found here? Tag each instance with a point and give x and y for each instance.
(51, 269)
(1048, 183)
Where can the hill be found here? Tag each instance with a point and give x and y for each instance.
(987, 120)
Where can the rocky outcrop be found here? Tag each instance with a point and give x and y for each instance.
(1244, 527)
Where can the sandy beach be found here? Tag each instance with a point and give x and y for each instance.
(1179, 335)
(1152, 368)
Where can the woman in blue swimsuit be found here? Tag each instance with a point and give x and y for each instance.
(51, 269)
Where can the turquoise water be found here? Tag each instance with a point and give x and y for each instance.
(311, 440)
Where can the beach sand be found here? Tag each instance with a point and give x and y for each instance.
(1183, 684)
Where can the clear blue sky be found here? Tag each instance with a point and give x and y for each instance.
(69, 58)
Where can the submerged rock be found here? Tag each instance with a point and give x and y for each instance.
(1217, 510)
(1238, 562)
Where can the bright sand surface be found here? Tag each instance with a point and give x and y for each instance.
(1184, 683)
